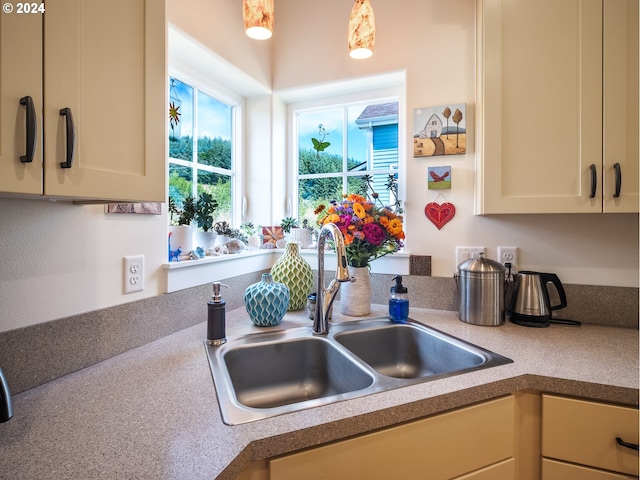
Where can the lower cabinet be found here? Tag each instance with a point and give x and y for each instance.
(584, 433)
(461, 443)
(524, 436)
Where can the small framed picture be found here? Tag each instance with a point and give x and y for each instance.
(439, 130)
(438, 178)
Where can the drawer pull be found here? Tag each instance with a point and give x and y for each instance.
(622, 443)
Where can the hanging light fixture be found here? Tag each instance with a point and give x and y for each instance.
(258, 18)
(362, 30)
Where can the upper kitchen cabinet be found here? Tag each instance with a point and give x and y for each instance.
(96, 75)
(557, 106)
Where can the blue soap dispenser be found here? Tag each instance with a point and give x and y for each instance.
(399, 302)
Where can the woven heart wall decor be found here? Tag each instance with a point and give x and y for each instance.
(440, 214)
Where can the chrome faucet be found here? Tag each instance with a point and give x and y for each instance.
(325, 296)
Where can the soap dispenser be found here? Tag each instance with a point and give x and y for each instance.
(399, 302)
(216, 321)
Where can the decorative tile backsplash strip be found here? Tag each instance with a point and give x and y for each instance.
(37, 354)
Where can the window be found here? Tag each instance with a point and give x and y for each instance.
(201, 153)
(346, 149)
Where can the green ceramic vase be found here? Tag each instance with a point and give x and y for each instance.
(295, 272)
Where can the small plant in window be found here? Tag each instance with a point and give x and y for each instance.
(288, 223)
(184, 214)
(319, 145)
(249, 229)
(222, 228)
(205, 206)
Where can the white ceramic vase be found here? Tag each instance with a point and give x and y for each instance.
(181, 237)
(355, 297)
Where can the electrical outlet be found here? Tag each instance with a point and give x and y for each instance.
(508, 254)
(465, 253)
(133, 273)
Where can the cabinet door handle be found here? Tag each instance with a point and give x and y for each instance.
(30, 123)
(594, 180)
(71, 137)
(616, 168)
(622, 443)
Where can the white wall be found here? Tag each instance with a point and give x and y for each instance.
(60, 259)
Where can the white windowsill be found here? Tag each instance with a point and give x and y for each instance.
(191, 273)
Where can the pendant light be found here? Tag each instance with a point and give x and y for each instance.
(362, 30)
(258, 18)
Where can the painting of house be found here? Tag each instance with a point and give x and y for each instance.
(439, 130)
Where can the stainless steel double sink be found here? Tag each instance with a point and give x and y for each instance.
(261, 375)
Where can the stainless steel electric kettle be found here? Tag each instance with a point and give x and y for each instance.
(529, 303)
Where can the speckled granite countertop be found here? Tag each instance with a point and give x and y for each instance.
(152, 412)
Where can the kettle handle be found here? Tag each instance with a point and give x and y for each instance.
(553, 278)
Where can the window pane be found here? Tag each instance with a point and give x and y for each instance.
(375, 134)
(219, 186)
(384, 185)
(180, 186)
(358, 139)
(214, 132)
(180, 120)
(320, 137)
(316, 191)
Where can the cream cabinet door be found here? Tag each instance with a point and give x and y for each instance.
(620, 106)
(539, 106)
(105, 62)
(20, 77)
(439, 447)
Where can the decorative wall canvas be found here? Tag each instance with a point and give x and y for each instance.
(439, 130)
(439, 177)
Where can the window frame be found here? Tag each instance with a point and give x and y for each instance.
(373, 96)
(211, 88)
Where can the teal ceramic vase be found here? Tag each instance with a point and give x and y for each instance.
(266, 301)
(295, 272)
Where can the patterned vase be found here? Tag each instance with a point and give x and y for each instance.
(266, 301)
(355, 297)
(295, 272)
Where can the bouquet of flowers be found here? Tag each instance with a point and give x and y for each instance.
(369, 231)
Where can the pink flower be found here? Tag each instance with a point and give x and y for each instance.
(373, 233)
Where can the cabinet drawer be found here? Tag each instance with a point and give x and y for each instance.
(585, 432)
(438, 447)
(554, 470)
(504, 471)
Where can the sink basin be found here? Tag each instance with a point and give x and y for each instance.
(265, 374)
(408, 351)
(281, 373)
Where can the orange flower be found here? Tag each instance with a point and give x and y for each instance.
(319, 209)
(333, 218)
(358, 209)
(394, 227)
(384, 221)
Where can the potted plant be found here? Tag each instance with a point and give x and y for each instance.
(295, 233)
(204, 208)
(223, 232)
(254, 238)
(288, 223)
(180, 218)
